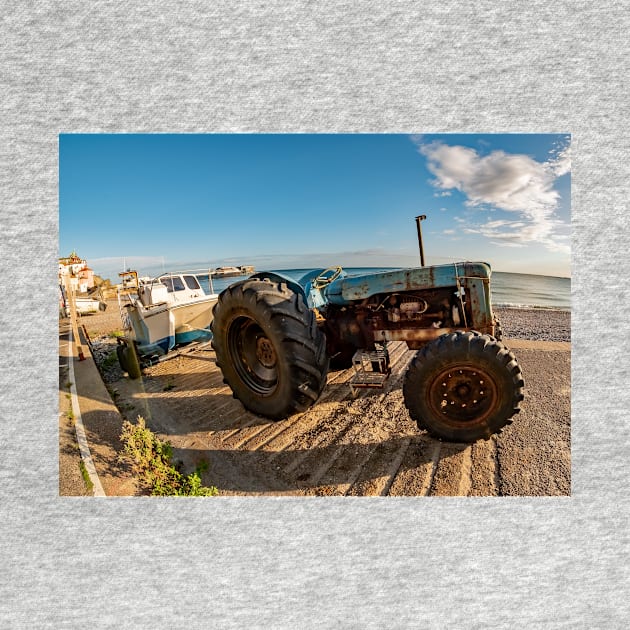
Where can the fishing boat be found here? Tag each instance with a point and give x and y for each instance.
(86, 305)
(162, 314)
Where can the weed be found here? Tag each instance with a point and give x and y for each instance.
(70, 414)
(150, 459)
(86, 477)
(168, 387)
(115, 334)
(68, 384)
(109, 360)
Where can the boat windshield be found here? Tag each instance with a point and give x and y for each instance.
(173, 283)
(192, 283)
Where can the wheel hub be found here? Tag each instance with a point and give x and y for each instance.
(253, 355)
(265, 352)
(463, 394)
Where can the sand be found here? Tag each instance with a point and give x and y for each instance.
(366, 445)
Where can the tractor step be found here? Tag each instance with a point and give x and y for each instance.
(371, 369)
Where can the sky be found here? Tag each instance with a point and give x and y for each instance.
(156, 202)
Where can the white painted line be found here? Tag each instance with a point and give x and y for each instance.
(84, 448)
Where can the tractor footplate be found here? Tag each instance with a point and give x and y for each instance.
(371, 369)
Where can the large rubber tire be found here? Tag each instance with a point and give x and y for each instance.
(269, 348)
(463, 387)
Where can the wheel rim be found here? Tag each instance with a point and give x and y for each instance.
(463, 395)
(253, 355)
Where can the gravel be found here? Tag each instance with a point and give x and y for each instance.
(535, 324)
(104, 353)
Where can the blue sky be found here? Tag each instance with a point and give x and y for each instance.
(307, 200)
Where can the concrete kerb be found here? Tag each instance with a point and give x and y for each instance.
(98, 427)
(82, 441)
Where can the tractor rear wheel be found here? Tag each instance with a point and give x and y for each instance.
(463, 387)
(269, 348)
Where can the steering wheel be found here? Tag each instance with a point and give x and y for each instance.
(322, 280)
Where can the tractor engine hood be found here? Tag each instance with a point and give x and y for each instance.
(352, 288)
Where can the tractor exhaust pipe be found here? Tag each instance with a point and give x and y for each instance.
(422, 217)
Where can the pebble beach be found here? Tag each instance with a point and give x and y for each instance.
(311, 453)
(536, 324)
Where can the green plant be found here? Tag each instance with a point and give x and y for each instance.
(116, 333)
(86, 477)
(150, 459)
(109, 360)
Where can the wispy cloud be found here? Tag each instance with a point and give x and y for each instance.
(129, 261)
(514, 183)
(111, 266)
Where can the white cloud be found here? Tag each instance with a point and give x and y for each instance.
(513, 183)
(561, 163)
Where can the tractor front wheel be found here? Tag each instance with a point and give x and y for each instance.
(463, 387)
(269, 348)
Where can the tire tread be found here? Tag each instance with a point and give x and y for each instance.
(277, 308)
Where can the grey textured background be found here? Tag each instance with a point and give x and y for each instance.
(297, 67)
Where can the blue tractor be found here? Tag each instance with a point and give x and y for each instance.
(276, 338)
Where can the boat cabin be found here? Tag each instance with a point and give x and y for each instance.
(170, 289)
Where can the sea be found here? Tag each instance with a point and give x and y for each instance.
(509, 290)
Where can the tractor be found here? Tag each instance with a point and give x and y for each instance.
(275, 339)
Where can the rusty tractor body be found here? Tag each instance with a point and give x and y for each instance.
(276, 338)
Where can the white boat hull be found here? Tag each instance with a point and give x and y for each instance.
(165, 312)
(86, 306)
(158, 329)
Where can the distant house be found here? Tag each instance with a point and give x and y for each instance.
(81, 276)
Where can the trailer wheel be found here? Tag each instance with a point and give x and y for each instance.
(463, 387)
(269, 348)
(128, 359)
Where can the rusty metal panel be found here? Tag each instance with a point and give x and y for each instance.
(478, 295)
(351, 288)
(412, 334)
